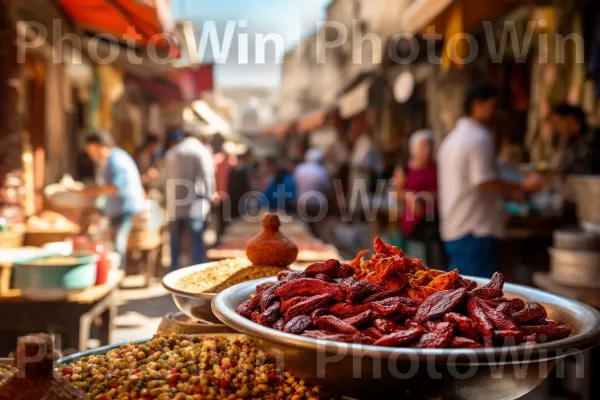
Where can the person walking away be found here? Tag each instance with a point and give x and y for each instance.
(224, 161)
(280, 192)
(240, 184)
(313, 186)
(417, 190)
(122, 187)
(147, 154)
(365, 163)
(471, 193)
(190, 185)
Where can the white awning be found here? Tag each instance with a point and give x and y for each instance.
(421, 12)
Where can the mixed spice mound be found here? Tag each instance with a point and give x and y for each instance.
(394, 300)
(188, 368)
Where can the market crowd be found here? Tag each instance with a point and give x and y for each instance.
(455, 198)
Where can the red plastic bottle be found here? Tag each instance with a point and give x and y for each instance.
(102, 266)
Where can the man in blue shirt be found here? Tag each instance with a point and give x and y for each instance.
(122, 187)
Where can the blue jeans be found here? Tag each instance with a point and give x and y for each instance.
(122, 227)
(474, 256)
(177, 229)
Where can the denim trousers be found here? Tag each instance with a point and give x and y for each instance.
(122, 228)
(475, 256)
(195, 228)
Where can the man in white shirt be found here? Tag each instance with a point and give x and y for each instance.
(190, 190)
(471, 194)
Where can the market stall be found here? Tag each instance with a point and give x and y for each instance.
(330, 330)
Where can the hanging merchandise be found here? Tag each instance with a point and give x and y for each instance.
(111, 90)
(574, 54)
(455, 46)
(404, 86)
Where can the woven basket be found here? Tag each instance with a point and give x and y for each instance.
(40, 238)
(11, 240)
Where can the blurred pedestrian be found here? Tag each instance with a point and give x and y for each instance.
(417, 187)
(313, 184)
(122, 187)
(190, 185)
(280, 192)
(471, 191)
(147, 155)
(581, 154)
(224, 161)
(240, 183)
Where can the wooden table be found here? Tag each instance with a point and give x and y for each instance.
(70, 319)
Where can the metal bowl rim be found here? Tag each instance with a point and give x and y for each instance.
(105, 349)
(170, 280)
(583, 340)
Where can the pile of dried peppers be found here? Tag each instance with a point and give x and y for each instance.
(393, 300)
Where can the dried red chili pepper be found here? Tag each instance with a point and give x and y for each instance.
(268, 296)
(396, 282)
(309, 287)
(547, 333)
(355, 264)
(264, 286)
(444, 281)
(459, 342)
(271, 314)
(386, 326)
(360, 290)
(385, 267)
(318, 313)
(400, 338)
(439, 304)
(345, 310)
(345, 271)
(393, 306)
(308, 305)
(382, 248)
(498, 319)
(278, 325)
(323, 277)
(329, 267)
(508, 337)
(366, 340)
(486, 293)
(382, 295)
(255, 317)
(360, 319)
(497, 281)
(373, 333)
(438, 338)
(286, 304)
(532, 311)
(483, 324)
(244, 309)
(315, 334)
(530, 339)
(329, 322)
(464, 325)
(298, 324)
(465, 283)
(505, 308)
(416, 295)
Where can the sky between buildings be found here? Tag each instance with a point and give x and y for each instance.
(291, 20)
